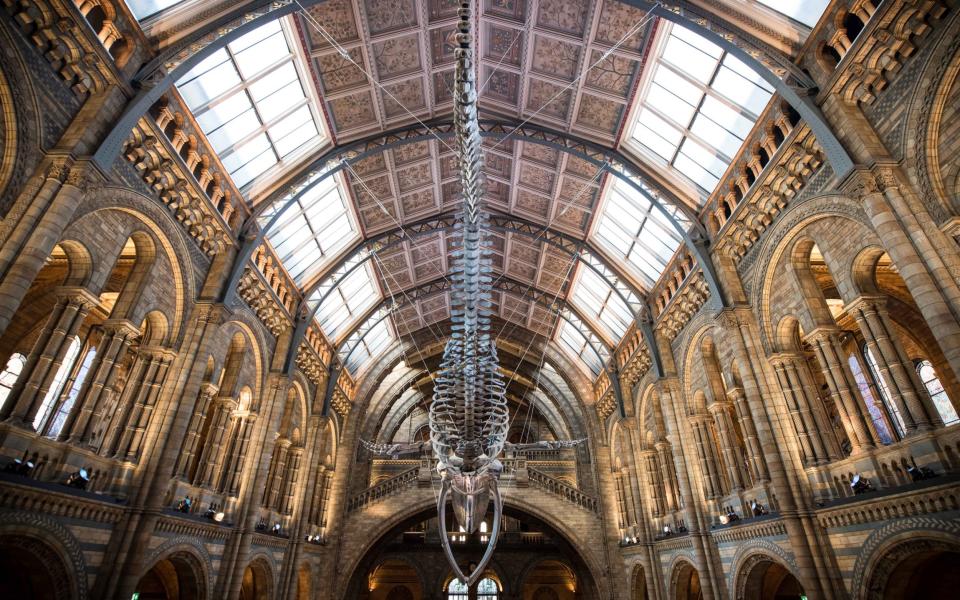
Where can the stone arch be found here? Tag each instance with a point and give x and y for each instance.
(21, 130)
(192, 564)
(863, 270)
(684, 579)
(779, 242)
(788, 334)
(79, 262)
(538, 561)
(638, 582)
(889, 546)
(168, 235)
(751, 558)
(354, 559)
(52, 545)
(259, 578)
(155, 329)
(422, 578)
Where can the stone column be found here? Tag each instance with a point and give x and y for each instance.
(900, 377)
(665, 459)
(927, 261)
(73, 306)
(35, 224)
(800, 407)
(245, 424)
(655, 481)
(144, 403)
(758, 468)
(211, 458)
(706, 453)
(117, 336)
(728, 445)
(282, 448)
(208, 392)
(836, 371)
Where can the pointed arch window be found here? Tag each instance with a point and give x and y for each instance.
(935, 388)
(10, 375)
(487, 590)
(457, 590)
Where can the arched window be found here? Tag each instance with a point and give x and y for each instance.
(457, 590)
(57, 386)
(71, 398)
(892, 410)
(9, 376)
(487, 589)
(930, 380)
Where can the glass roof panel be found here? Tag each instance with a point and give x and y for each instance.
(633, 230)
(376, 340)
(599, 302)
(314, 230)
(348, 302)
(250, 102)
(695, 107)
(575, 343)
(142, 9)
(806, 11)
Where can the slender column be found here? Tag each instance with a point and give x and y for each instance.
(799, 405)
(758, 468)
(665, 459)
(654, 481)
(282, 448)
(706, 454)
(144, 365)
(731, 458)
(293, 472)
(73, 306)
(117, 336)
(145, 403)
(210, 458)
(836, 371)
(892, 362)
(207, 393)
(246, 427)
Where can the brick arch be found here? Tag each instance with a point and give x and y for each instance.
(51, 543)
(887, 546)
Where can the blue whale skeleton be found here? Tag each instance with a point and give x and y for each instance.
(468, 414)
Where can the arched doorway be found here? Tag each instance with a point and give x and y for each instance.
(256, 584)
(176, 577)
(29, 568)
(639, 584)
(686, 582)
(765, 579)
(921, 568)
(549, 580)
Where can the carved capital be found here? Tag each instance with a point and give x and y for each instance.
(861, 184)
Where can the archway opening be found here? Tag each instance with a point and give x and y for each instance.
(688, 583)
(769, 580)
(924, 574)
(173, 578)
(639, 584)
(550, 580)
(394, 580)
(256, 582)
(30, 568)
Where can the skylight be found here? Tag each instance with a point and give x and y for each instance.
(574, 342)
(695, 107)
(632, 229)
(142, 9)
(807, 12)
(315, 229)
(251, 103)
(376, 340)
(348, 302)
(598, 301)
